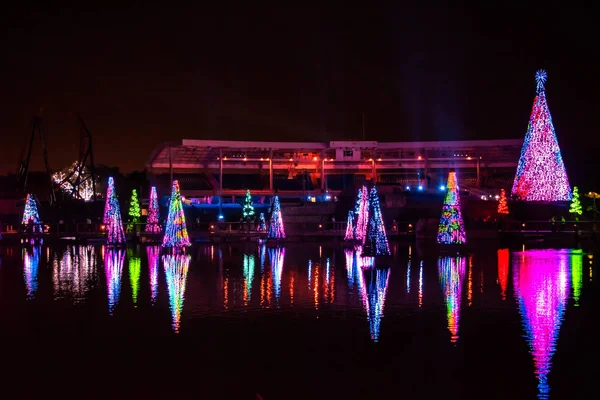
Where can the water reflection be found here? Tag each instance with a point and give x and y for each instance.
(153, 256)
(248, 269)
(176, 269)
(503, 258)
(541, 281)
(576, 259)
(74, 272)
(276, 256)
(113, 268)
(134, 266)
(451, 271)
(31, 262)
(375, 281)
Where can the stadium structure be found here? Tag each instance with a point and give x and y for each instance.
(218, 168)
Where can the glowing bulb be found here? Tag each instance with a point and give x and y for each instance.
(408, 188)
(420, 187)
(442, 187)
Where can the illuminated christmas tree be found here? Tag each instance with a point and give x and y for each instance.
(361, 214)
(175, 230)
(248, 210)
(452, 228)
(31, 214)
(112, 216)
(134, 209)
(541, 173)
(262, 223)
(502, 203)
(276, 230)
(152, 225)
(575, 203)
(350, 226)
(376, 243)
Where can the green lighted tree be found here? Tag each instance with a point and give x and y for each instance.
(575, 203)
(134, 209)
(248, 210)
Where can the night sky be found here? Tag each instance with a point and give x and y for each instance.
(142, 75)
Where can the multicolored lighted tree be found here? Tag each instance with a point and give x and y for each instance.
(112, 216)
(452, 228)
(276, 230)
(248, 209)
(376, 243)
(152, 225)
(502, 203)
(175, 229)
(350, 226)
(361, 214)
(262, 223)
(31, 216)
(575, 203)
(541, 173)
(134, 210)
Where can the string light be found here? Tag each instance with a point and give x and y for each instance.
(175, 230)
(451, 229)
(541, 173)
(350, 226)
(152, 225)
(31, 214)
(112, 216)
(502, 203)
(276, 230)
(376, 243)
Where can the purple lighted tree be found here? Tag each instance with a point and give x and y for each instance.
(361, 214)
(541, 173)
(350, 226)
(113, 222)
(376, 243)
(152, 225)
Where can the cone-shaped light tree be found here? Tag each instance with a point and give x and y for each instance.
(31, 214)
(152, 225)
(276, 229)
(541, 173)
(452, 228)
(175, 229)
(134, 209)
(502, 203)
(575, 207)
(361, 214)
(262, 223)
(350, 226)
(376, 243)
(248, 209)
(112, 216)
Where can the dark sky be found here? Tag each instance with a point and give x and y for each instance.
(141, 75)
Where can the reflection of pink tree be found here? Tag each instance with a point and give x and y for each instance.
(452, 273)
(113, 266)
(153, 257)
(541, 282)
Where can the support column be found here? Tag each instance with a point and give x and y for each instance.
(220, 171)
(323, 177)
(271, 170)
(374, 171)
(478, 167)
(170, 167)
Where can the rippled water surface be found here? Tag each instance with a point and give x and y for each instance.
(297, 322)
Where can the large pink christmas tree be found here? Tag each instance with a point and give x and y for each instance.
(541, 173)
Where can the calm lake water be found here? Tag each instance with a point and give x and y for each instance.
(304, 321)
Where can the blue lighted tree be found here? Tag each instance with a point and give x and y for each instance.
(376, 243)
(276, 230)
(31, 215)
